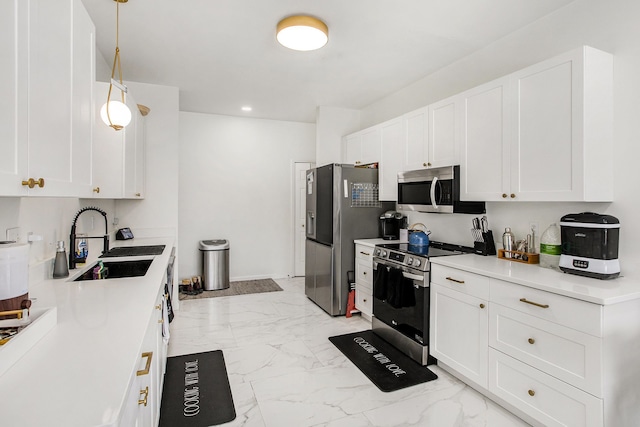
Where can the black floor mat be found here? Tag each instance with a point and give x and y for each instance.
(196, 391)
(386, 366)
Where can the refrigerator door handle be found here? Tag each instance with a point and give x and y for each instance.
(346, 189)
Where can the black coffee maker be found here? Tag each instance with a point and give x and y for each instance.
(390, 224)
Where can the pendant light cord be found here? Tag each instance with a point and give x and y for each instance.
(116, 60)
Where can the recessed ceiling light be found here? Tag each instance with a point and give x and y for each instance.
(246, 108)
(301, 32)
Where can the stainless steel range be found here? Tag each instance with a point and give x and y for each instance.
(401, 294)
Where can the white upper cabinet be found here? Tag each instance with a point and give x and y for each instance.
(362, 147)
(118, 156)
(47, 123)
(544, 133)
(484, 159)
(13, 57)
(444, 132)
(392, 159)
(416, 129)
(134, 153)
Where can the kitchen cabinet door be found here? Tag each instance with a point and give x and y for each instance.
(484, 153)
(108, 152)
(391, 159)
(416, 126)
(352, 148)
(562, 129)
(371, 145)
(46, 131)
(134, 150)
(459, 332)
(13, 117)
(444, 132)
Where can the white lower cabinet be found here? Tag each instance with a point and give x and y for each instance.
(543, 397)
(459, 322)
(142, 406)
(364, 280)
(541, 354)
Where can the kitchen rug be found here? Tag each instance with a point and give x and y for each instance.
(386, 366)
(242, 287)
(196, 391)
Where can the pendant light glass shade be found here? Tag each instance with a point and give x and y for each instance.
(116, 114)
(302, 33)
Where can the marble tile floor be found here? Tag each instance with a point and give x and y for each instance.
(285, 372)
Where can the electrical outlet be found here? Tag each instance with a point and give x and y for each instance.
(13, 234)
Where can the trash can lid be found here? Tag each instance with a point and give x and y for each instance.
(213, 245)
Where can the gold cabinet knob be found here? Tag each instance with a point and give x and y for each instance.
(159, 307)
(137, 194)
(531, 393)
(531, 341)
(504, 195)
(96, 190)
(513, 196)
(481, 305)
(33, 182)
(424, 164)
(428, 163)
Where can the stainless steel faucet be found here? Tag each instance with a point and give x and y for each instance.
(73, 238)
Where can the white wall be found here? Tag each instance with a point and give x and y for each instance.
(331, 124)
(236, 180)
(611, 26)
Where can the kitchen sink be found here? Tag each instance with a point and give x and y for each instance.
(134, 251)
(119, 269)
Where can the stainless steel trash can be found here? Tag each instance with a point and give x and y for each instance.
(215, 264)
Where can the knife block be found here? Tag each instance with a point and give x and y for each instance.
(487, 246)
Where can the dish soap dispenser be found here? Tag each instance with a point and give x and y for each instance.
(60, 268)
(550, 247)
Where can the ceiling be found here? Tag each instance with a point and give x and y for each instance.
(222, 54)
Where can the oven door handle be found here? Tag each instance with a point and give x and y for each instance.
(415, 277)
(433, 192)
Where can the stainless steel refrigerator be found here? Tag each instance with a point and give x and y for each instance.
(342, 206)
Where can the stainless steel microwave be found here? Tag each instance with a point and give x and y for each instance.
(434, 190)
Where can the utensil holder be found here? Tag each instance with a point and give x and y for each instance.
(487, 246)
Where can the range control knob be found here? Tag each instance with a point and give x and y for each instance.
(410, 261)
(384, 253)
(416, 262)
(377, 251)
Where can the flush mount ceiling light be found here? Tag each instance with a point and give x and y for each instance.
(116, 114)
(301, 32)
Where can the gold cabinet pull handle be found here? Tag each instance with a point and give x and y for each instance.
(531, 393)
(33, 182)
(534, 303)
(96, 190)
(531, 341)
(481, 305)
(144, 393)
(455, 280)
(365, 253)
(147, 367)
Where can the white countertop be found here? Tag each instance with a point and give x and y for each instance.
(597, 291)
(80, 372)
(372, 242)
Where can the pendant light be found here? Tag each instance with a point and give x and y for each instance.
(115, 113)
(302, 32)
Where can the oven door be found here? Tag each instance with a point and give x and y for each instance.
(401, 300)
